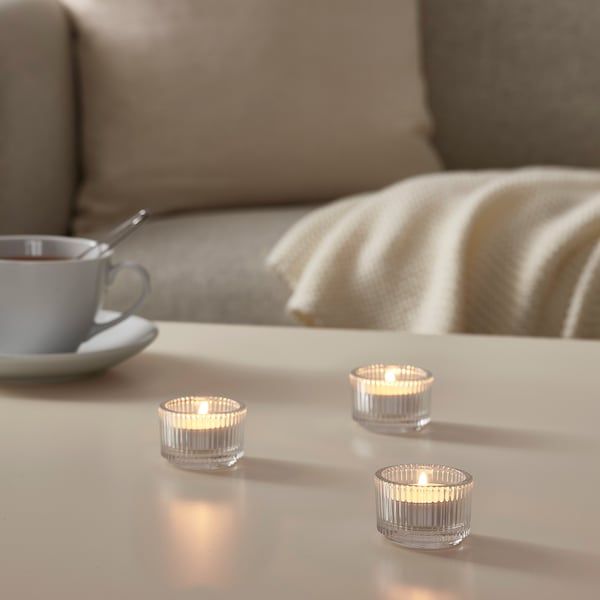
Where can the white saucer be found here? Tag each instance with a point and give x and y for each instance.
(104, 350)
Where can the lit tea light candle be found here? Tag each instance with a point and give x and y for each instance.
(424, 506)
(202, 432)
(391, 398)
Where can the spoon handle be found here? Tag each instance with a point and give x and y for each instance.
(119, 233)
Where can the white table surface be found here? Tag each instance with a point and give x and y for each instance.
(89, 509)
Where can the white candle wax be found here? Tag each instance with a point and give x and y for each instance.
(202, 419)
(395, 381)
(424, 491)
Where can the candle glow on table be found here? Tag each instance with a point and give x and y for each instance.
(424, 506)
(202, 432)
(391, 398)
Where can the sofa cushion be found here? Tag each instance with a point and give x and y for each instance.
(514, 83)
(209, 266)
(37, 138)
(204, 103)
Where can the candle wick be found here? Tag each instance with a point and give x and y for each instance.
(389, 376)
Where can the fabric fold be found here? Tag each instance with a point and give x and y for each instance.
(498, 252)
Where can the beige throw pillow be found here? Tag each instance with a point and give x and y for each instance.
(210, 103)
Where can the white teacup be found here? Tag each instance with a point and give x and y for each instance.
(49, 298)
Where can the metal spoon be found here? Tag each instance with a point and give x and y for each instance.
(118, 234)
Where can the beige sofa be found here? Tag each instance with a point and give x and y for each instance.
(509, 83)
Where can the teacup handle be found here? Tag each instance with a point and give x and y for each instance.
(113, 271)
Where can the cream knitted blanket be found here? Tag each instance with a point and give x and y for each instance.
(501, 252)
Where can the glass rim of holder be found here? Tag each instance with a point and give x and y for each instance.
(428, 515)
(239, 406)
(198, 439)
(391, 398)
(421, 374)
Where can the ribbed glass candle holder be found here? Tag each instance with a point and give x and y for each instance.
(391, 398)
(424, 506)
(202, 432)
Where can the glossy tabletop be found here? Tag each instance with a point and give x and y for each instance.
(89, 509)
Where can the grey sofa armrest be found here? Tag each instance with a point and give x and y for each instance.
(37, 139)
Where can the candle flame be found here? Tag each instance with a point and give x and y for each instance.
(203, 408)
(423, 479)
(389, 376)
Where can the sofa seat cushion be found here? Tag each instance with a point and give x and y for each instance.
(214, 103)
(209, 266)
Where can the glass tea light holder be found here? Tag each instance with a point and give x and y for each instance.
(423, 506)
(202, 432)
(391, 398)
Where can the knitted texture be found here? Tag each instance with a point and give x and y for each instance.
(497, 252)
